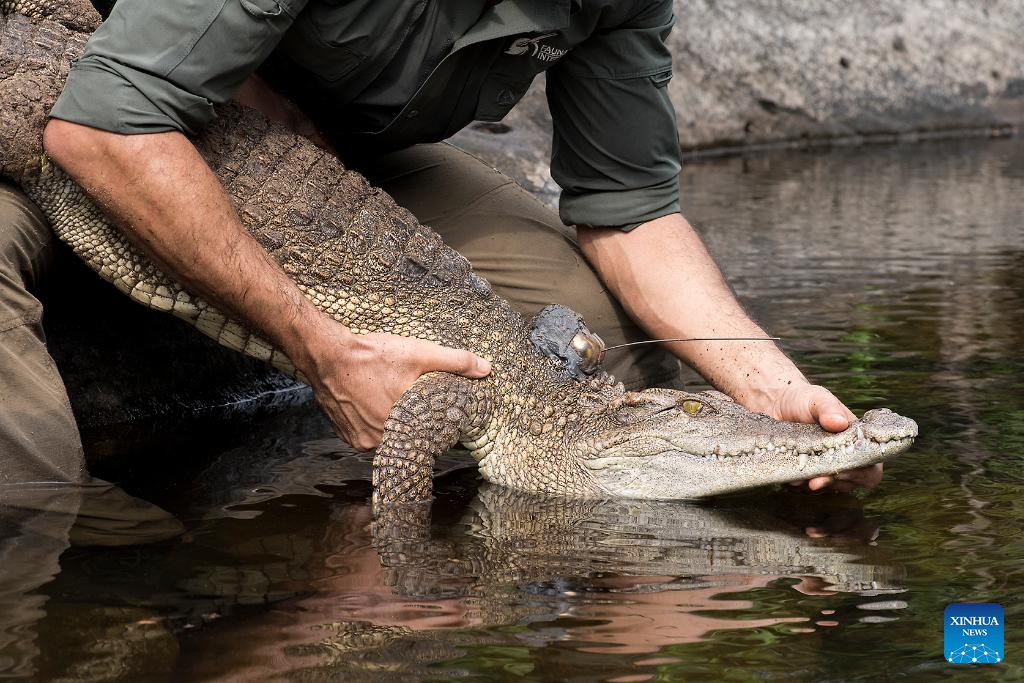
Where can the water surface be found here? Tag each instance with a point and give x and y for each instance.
(895, 276)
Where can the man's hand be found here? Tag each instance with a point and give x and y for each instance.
(669, 284)
(165, 199)
(810, 403)
(358, 378)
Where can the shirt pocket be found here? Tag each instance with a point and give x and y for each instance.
(329, 63)
(507, 81)
(498, 95)
(319, 43)
(333, 38)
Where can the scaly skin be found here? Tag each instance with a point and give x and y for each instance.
(371, 266)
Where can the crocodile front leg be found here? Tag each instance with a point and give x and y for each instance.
(437, 411)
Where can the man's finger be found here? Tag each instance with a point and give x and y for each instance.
(830, 412)
(465, 363)
(819, 483)
(868, 477)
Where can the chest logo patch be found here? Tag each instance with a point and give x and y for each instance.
(534, 48)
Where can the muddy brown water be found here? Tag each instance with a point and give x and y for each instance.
(895, 276)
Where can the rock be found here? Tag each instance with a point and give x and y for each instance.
(753, 72)
(762, 71)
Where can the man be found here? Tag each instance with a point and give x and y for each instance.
(379, 82)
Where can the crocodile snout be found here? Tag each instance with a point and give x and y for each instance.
(883, 425)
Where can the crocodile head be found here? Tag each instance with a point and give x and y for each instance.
(597, 440)
(674, 444)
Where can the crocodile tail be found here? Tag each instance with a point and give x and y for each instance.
(77, 15)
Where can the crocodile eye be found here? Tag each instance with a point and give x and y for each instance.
(692, 407)
(590, 348)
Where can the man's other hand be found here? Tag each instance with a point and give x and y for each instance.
(810, 403)
(358, 378)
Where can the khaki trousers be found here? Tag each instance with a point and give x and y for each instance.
(38, 436)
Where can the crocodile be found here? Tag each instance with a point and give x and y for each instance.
(546, 420)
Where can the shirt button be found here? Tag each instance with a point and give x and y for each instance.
(413, 114)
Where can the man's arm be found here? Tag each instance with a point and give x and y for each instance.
(155, 70)
(669, 284)
(161, 193)
(615, 154)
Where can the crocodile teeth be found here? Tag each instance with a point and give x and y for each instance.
(803, 461)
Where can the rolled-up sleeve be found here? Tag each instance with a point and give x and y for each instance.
(164, 65)
(615, 150)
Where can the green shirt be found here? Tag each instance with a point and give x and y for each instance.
(378, 75)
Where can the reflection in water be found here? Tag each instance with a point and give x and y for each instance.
(38, 522)
(625, 576)
(31, 541)
(635, 575)
(631, 577)
(894, 275)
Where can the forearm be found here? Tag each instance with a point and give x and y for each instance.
(667, 281)
(161, 193)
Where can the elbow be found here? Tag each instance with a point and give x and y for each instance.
(69, 144)
(83, 151)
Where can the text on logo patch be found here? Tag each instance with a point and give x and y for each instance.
(534, 48)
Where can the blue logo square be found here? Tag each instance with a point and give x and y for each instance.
(973, 633)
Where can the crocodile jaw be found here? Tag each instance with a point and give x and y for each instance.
(670, 473)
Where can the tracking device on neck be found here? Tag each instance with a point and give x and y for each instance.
(560, 332)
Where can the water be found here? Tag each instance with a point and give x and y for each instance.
(896, 277)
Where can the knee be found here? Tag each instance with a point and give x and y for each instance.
(25, 236)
